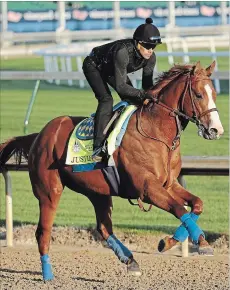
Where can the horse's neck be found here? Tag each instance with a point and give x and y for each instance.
(158, 119)
(171, 95)
(159, 124)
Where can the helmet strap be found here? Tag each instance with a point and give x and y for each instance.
(135, 42)
(138, 45)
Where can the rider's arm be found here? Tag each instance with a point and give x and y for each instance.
(147, 75)
(121, 61)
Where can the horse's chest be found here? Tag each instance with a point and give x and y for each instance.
(163, 166)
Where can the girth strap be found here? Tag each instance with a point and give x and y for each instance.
(140, 204)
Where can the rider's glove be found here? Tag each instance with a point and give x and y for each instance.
(144, 96)
(148, 96)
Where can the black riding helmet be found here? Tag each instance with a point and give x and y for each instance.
(147, 34)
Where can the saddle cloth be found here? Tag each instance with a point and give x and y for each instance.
(80, 146)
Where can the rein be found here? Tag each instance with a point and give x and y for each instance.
(140, 204)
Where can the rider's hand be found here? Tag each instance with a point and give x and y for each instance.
(146, 101)
(148, 95)
(147, 98)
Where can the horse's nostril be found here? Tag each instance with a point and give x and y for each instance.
(213, 131)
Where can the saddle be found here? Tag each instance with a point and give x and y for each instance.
(86, 127)
(80, 146)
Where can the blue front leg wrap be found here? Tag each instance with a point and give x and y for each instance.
(46, 268)
(192, 228)
(119, 249)
(181, 232)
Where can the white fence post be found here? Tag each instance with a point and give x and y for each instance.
(79, 68)
(184, 245)
(9, 209)
(56, 68)
(69, 68)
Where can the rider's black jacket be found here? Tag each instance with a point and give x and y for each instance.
(116, 59)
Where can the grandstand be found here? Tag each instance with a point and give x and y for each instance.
(85, 15)
(45, 5)
(74, 34)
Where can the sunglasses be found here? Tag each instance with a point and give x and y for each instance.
(151, 45)
(147, 45)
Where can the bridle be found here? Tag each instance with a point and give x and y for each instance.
(196, 117)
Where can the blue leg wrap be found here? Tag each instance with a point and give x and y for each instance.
(192, 228)
(119, 249)
(46, 268)
(181, 232)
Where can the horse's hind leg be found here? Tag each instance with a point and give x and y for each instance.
(48, 188)
(103, 210)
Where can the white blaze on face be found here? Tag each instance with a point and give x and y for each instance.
(215, 119)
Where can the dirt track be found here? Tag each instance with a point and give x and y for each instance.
(88, 265)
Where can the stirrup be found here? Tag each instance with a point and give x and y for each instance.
(98, 154)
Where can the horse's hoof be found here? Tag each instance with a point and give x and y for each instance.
(206, 251)
(133, 268)
(166, 244)
(48, 278)
(48, 281)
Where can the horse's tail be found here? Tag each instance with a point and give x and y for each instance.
(18, 146)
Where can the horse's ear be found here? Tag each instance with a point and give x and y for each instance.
(210, 69)
(197, 67)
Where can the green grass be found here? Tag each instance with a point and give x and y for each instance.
(75, 209)
(53, 101)
(28, 63)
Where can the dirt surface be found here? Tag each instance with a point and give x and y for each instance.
(81, 261)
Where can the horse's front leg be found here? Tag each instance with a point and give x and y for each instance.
(185, 197)
(154, 193)
(103, 210)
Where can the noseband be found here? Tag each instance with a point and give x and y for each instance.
(196, 118)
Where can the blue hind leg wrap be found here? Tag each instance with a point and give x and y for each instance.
(181, 232)
(119, 249)
(192, 228)
(46, 268)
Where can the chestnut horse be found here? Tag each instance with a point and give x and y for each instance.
(148, 162)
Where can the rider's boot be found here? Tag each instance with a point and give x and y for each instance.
(102, 117)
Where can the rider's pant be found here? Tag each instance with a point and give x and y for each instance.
(104, 97)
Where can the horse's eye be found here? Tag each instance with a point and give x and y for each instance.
(199, 96)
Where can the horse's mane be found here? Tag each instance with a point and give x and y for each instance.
(166, 77)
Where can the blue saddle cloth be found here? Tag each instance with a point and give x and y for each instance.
(86, 128)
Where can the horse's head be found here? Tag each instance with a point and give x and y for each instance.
(187, 91)
(199, 102)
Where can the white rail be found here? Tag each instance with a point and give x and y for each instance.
(77, 75)
(58, 65)
(68, 36)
